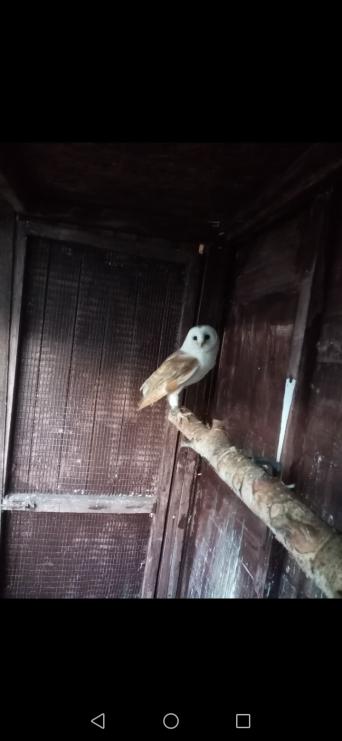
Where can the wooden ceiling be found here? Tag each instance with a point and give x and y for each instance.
(165, 189)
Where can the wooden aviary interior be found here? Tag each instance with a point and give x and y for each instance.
(109, 253)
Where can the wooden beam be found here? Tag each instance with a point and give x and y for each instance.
(316, 547)
(6, 259)
(107, 238)
(81, 503)
(168, 226)
(315, 168)
(16, 303)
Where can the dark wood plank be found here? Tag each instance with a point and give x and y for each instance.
(252, 372)
(211, 559)
(178, 518)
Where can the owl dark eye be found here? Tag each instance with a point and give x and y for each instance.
(195, 337)
(207, 336)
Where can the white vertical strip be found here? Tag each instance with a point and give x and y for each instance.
(287, 402)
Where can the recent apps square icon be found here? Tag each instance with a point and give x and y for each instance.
(243, 720)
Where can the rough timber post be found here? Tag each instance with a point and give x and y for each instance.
(315, 546)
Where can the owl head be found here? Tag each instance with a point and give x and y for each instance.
(201, 339)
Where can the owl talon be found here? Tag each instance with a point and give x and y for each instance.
(183, 415)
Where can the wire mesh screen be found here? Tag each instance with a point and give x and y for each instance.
(51, 555)
(95, 324)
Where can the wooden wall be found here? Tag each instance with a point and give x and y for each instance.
(228, 552)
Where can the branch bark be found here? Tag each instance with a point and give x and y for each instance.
(315, 546)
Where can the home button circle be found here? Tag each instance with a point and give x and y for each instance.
(171, 721)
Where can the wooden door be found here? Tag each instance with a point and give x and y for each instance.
(86, 478)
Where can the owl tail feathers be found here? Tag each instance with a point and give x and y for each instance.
(143, 403)
(150, 398)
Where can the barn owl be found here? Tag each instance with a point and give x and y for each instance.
(195, 358)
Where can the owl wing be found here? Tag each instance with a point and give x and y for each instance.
(168, 378)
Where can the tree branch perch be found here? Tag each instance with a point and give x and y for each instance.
(315, 546)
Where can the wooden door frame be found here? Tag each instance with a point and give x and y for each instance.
(7, 235)
(159, 525)
(214, 294)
